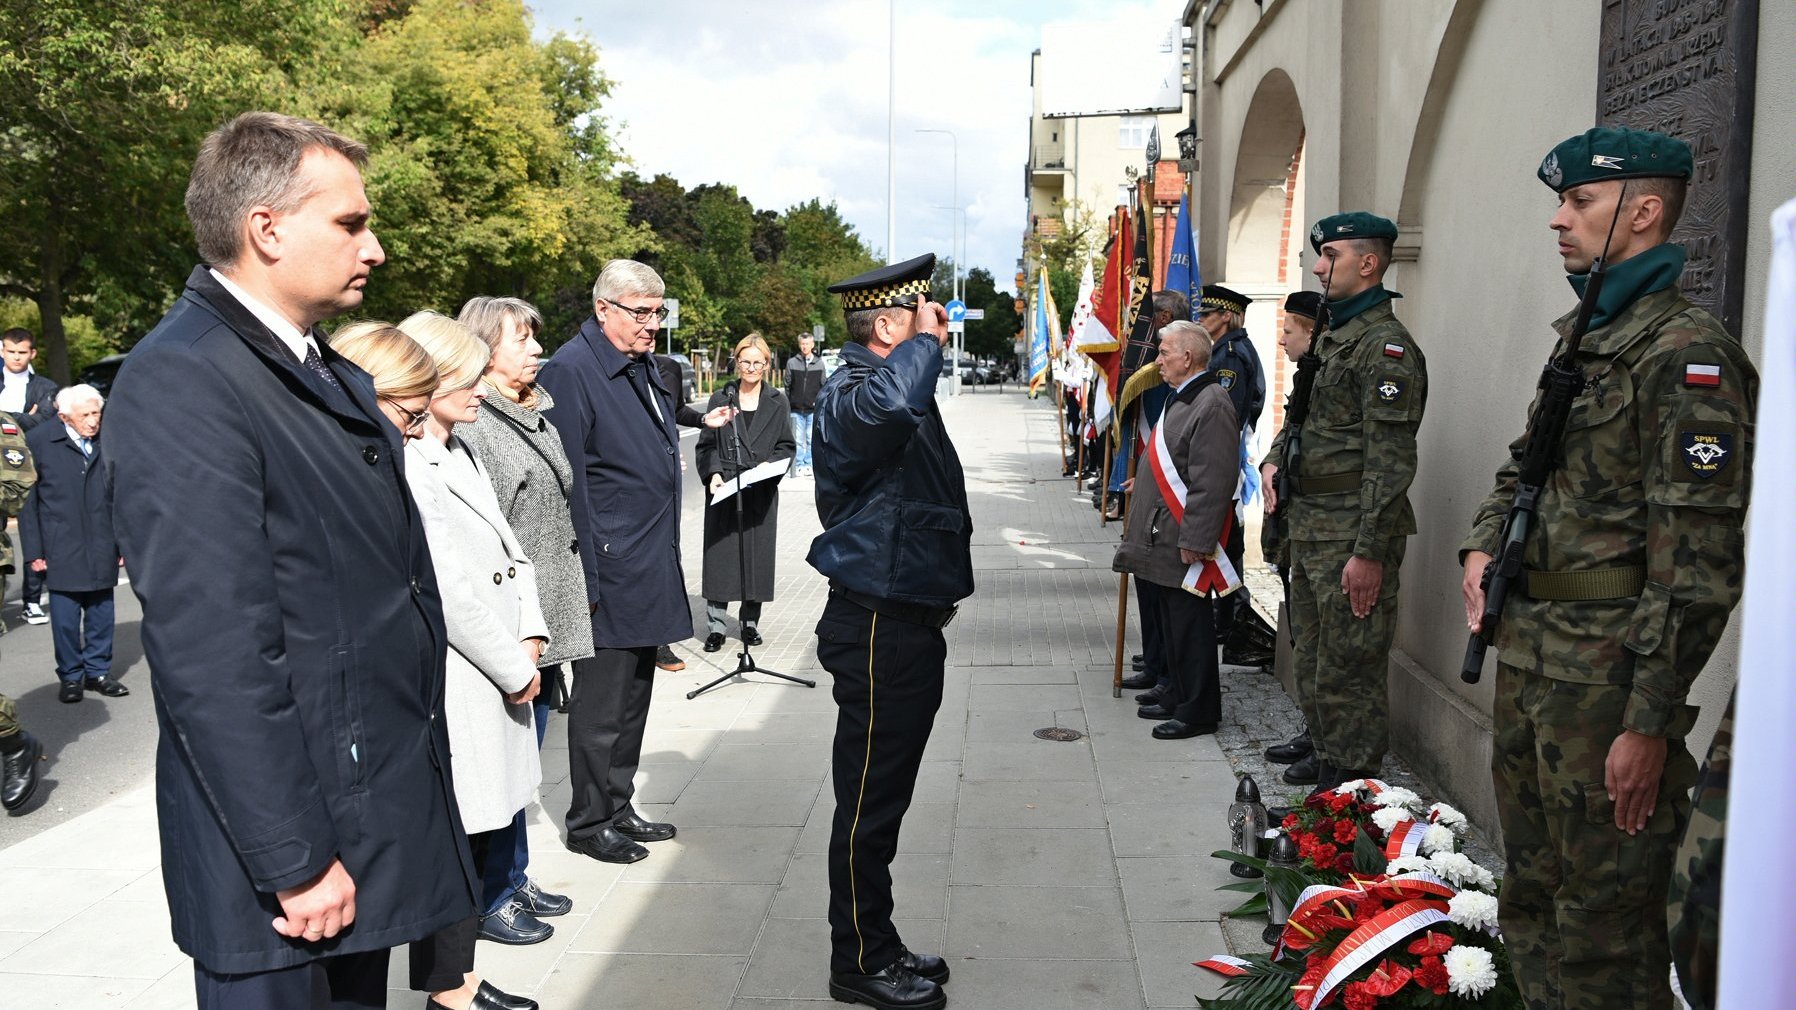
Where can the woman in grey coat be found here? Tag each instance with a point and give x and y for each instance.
(530, 474)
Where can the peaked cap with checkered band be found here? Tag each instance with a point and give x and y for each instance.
(891, 286)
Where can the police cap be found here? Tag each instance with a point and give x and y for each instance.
(1216, 297)
(900, 284)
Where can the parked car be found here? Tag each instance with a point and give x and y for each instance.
(101, 373)
(688, 390)
(832, 360)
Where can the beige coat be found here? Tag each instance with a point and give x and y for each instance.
(489, 607)
(1204, 439)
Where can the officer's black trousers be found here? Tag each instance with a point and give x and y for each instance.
(888, 685)
(1227, 607)
(605, 721)
(1188, 637)
(1153, 644)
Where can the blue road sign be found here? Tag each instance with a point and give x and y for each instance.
(957, 310)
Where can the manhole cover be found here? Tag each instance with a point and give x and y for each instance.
(1059, 734)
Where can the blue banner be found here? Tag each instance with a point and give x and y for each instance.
(1038, 336)
(1181, 269)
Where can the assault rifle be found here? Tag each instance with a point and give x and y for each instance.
(1560, 383)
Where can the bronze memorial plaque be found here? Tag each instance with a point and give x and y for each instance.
(1686, 67)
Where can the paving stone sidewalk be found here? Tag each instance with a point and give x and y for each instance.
(1052, 875)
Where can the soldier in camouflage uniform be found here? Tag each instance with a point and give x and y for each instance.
(19, 750)
(1349, 517)
(1695, 905)
(1632, 568)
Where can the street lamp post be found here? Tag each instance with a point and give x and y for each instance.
(959, 338)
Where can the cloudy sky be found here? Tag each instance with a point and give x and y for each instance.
(786, 100)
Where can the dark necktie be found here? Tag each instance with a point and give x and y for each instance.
(317, 367)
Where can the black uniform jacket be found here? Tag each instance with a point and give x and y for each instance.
(67, 520)
(889, 486)
(294, 636)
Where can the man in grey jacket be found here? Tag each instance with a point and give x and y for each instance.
(1186, 482)
(804, 380)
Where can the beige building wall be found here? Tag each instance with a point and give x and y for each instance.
(1435, 113)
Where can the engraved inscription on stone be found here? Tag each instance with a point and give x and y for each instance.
(1685, 67)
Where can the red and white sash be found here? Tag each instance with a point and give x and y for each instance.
(1206, 575)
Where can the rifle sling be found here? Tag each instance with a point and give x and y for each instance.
(1590, 584)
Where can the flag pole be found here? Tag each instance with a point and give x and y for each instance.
(1122, 619)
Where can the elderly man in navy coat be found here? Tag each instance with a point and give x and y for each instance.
(290, 612)
(65, 535)
(617, 424)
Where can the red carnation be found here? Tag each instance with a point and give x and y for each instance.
(1346, 832)
(1290, 822)
(1355, 996)
(1324, 854)
(1344, 862)
(1431, 975)
(1339, 803)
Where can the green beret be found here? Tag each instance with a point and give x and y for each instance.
(1357, 224)
(1614, 153)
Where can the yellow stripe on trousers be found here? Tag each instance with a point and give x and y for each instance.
(853, 888)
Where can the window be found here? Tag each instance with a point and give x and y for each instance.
(1132, 131)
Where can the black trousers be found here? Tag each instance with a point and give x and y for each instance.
(344, 982)
(605, 720)
(888, 685)
(1189, 638)
(1153, 645)
(1226, 607)
(440, 961)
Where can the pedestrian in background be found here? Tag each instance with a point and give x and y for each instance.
(31, 400)
(524, 459)
(615, 424)
(65, 535)
(290, 611)
(739, 557)
(804, 380)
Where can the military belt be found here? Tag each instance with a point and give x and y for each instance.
(898, 610)
(1333, 483)
(1589, 584)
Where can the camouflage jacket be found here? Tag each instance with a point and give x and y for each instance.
(17, 473)
(1364, 412)
(1655, 474)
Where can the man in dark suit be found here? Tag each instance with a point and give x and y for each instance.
(617, 423)
(31, 399)
(65, 535)
(290, 610)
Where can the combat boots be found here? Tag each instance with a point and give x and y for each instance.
(1295, 749)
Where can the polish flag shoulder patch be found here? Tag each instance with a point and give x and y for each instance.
(1393, 350)
(8, 428)
(1702, 375)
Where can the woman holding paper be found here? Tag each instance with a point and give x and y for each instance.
(739, 541)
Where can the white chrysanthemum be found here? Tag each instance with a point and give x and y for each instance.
(1473, 910)
(1470, 971)
(1350, 786)
(1406, 864)
(1389, 817)
(1457, 868)
(1440, 813)
(1438, 838)
(1396, 796)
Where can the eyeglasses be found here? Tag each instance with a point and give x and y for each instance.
(641, 314)
(750, 366)
(414, 419)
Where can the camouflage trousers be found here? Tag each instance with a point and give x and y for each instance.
(1338, 660)
(9, 717)
(1695, 901)
(1583, 902)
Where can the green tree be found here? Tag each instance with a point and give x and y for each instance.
(995, 335)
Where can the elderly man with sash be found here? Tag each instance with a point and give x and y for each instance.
(1179, 524)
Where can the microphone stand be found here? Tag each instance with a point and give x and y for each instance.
(736, 453)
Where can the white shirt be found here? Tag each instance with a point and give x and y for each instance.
(1180, 388)
(12, 390)
(297, 340)
(78, 438)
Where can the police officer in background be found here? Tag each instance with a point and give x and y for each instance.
(895, 548)
(19, 750)
(1350, 517)
(1237, 368)
(1632, 569)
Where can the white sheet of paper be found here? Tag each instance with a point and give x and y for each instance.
(753, 475)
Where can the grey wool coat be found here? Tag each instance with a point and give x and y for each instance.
(489, 608)
(528, 467)
(1204, 439)
(765, 436)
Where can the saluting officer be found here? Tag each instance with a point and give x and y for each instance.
(1236, 365)
(1633, 566)
(19, 750)
(895, 547)
(1350, 518)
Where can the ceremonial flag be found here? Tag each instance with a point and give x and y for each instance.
(1758, 884)
(1081, 304)
(1039, 335)
(1141, 347)
(1099, 339)
(1182, 274)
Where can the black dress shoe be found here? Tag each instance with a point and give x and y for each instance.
(21, 772)
(1173, 729)
(106, 686)
(895, 988)
(512, 923)
(1152, 696)
(751, 637)
(497, 997)
(1158, 713)
(607, 846)
(69, 693)
(1295, 749)
(714, 642)
(633, 827)
(1138, 682)
(930, 966)
(541, 903)
(1304, 772)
